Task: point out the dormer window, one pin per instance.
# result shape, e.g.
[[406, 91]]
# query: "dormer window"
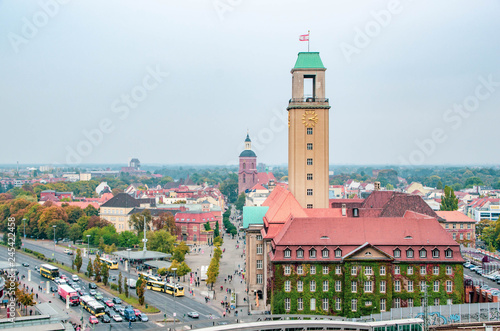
[[300, 253], [338, 252], [397, 252], [312, 253], [448, 253], [435, 253], [423, 253], [355, 212], [325, 253], [409, 253], [288, 253]]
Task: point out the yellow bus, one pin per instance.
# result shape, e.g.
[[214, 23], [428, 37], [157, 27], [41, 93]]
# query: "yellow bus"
[[48, 271], [147, 276], [92, 306], [113, 265], [176, 290]]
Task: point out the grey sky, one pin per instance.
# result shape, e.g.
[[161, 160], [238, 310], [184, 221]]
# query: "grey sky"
[[223, 67]]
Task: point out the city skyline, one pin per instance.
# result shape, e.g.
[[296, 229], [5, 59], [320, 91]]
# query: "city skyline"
[[181, 83]]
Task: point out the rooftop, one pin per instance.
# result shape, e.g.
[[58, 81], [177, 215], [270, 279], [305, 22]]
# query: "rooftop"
[[309, 60]]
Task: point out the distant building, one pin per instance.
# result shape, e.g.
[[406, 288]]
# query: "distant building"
[[102, 188], [247, 174], [117, 210], [461, 227], [85, 176], [484, 209]]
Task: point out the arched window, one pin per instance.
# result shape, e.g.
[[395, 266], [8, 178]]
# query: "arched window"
[[244, 165], [244, 178]]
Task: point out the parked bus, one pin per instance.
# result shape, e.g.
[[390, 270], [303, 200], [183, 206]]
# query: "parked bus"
[[113, 265], [92, 306], [48, 271], [176, 290], [149, 277]]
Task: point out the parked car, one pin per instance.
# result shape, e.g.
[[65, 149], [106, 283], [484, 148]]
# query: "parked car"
[[75, 278], [109, 303], [117, 308], [129, 315], [137, 312], [121, 311], [92, 286], [193, 314], [64, 277], [117, 300], [77, 288], [117, 318], [105, 319], [26, 264], [98, 296], [92, 292], [108, 311], [53, 289], [93, 320], [70, 282], [143, 317]]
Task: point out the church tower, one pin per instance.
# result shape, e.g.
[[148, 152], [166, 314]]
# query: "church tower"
[[247, 174], [308, 127]]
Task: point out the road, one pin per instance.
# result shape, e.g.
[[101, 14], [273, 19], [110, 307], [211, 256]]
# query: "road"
[[164, 302]]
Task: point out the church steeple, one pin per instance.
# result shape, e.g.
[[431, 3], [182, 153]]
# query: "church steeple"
[[248, 142], [247, 174]]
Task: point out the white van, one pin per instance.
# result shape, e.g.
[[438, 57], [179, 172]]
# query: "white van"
[[131, 282]]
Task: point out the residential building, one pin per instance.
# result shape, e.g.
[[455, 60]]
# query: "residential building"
[[117, 210], [461, 227], [484, 209]]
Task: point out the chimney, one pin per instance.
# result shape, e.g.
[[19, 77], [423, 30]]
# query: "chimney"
[[344, 210], [377, 186]]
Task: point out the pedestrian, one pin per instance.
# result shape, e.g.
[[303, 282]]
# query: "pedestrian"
[[130, 324]]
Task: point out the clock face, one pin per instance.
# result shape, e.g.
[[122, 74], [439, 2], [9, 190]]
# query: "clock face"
[[309, 118]]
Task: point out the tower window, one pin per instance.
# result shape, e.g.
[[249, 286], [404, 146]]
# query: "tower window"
[[309, 176], [309, 206], [244, 165], [309, 191], [309, 146], [309, 161], [309, 131], [244, 178]]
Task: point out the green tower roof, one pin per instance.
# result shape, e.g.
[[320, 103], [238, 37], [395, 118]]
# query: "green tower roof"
[[309, 60]]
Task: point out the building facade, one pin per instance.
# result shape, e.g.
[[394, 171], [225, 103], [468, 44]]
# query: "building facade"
[[308, 131], [247, 173], [461, 227]]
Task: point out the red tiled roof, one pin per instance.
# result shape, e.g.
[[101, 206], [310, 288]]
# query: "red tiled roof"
[[281, 205], [265, 177], [258, 187], [81, 204], [350, 233], [454, 216], [324, 212]]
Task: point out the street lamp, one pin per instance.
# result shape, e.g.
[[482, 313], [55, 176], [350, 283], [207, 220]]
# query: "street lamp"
[[88, 245], [24, 223], [175, 288], [54, 226]]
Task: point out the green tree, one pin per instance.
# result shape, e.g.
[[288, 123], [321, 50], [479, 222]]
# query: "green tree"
[[180, 252], [120, 282], [125, 287], [141, 290], [97, 268], [91, 211], [105, 273], [62, 228], [389, 187], [101, 245], [75, 233], [439, 185], [449, 201], [207, 226], [78, 260], [240, 202], [138, 284], [183, 270], [136, 221], [18, 243], [160, 241], [218, 241], [216, 231], [90, 270]]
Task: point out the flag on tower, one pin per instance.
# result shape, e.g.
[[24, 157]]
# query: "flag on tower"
[[304, 37]]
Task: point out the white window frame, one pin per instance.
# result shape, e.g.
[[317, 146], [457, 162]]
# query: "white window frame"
[[338, 286], [368, 286], [300, 286], [312, 286], [397, 286], [382, 270], [326, 270], [288, 286], [354, 286], [287, 304], [300, 304], [383, 286], [326, 286], [312, 306]]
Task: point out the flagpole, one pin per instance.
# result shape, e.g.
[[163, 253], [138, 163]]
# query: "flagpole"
[[308, 39]]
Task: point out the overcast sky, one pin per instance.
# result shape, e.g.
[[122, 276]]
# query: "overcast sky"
[[100, 81]]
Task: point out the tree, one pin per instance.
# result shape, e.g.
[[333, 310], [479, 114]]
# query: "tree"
[[91, 211], [449, 201], [18, 242], [183, 270], [105, 273], [216, 231], [125, 287], [120, 282], [127, 239], [136, 221], [101, 245], [97, 268], [78, 260], [61, 229], [218, 241], [389, 187], [240, 202], [439, 185], [90, 270], [180, 252], [138, 284], [75, 233], [74, 213], [141, 289], [207, 226], [165, 221], [160, 241]]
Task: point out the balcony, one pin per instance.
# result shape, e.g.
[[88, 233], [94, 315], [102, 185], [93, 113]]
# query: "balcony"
[[308, 99]]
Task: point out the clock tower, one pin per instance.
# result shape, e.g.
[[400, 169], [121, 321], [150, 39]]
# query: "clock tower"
[[308, 156]]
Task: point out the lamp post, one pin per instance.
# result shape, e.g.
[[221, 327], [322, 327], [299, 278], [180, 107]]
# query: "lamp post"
[[24, 223], [54, 226], [175, 288], [88, 245]]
